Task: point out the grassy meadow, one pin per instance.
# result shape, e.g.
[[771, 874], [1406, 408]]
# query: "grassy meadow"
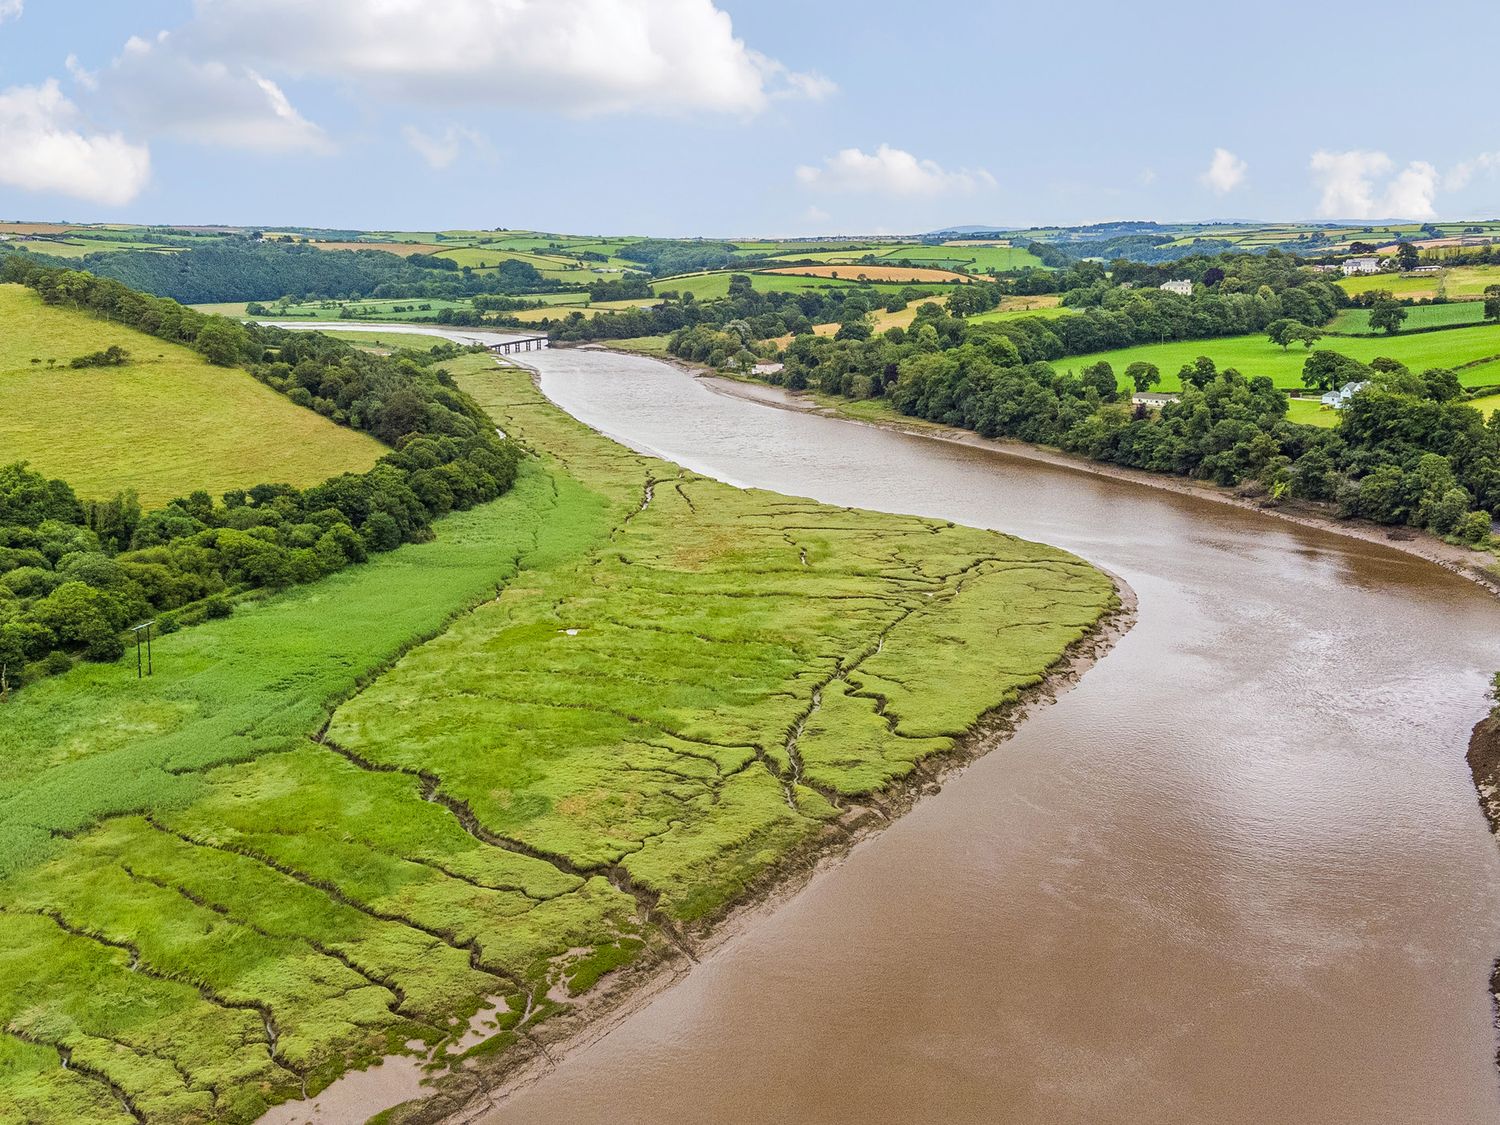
[[166, 423], [706, 286], [295, 848], [1452, 314], [1458, 283], [1255, 355]]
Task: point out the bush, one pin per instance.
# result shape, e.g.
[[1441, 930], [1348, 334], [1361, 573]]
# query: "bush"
[[1474, 528], [217, 606]]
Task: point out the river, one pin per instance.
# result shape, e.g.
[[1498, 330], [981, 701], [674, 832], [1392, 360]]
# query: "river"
[[1238, 874]]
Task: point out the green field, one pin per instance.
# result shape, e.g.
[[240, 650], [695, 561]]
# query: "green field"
[[1458, 282], [1311, 412], [213, 902], [1003, 313], [707, 286], [1256, 355], [1486, 405], [1454, 313], [165, 424], [389, 340]]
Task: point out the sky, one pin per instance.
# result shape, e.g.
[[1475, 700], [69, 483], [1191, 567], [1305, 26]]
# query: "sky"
[[733, 118]]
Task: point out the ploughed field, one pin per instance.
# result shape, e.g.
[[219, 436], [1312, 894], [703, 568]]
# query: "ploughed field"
[[166, 423], [477, 773]]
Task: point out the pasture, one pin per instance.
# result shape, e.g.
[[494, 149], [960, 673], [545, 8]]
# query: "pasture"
[[164, 424], [212, 903], [1454, 313], [1256, 355], [1458, 282], [860, 272], [706, 286]]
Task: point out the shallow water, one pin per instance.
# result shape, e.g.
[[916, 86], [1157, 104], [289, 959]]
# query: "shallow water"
[[1238, 874]]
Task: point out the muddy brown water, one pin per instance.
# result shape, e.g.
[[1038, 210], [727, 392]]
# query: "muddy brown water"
[[1238, 874]]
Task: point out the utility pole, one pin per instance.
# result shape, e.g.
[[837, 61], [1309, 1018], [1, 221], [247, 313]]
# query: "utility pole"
[[144, 627]]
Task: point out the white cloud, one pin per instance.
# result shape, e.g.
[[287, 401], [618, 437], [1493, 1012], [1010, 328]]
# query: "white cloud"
[[815, 214], [1348, 181], [46, 149], [1461, 175], [86, 79], [10, 10], [674, 57], [441, 149], [162, 89], [1411, 193], [1226, 171], [890, 171]]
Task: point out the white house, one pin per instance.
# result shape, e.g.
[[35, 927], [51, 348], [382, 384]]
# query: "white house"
[[1183, 287], [1339, 399], [1353, 266]]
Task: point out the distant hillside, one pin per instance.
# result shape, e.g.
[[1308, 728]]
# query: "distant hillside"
[[165, 423]]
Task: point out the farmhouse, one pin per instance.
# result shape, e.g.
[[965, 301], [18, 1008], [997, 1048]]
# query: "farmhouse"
[[1339, 399], [1353, 266], [1182, 286]]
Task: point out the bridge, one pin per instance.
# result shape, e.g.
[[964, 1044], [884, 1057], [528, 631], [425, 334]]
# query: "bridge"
[[522, 344]]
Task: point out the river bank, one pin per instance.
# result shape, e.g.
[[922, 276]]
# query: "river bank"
[[1476, 566], [484, 1083], [919, 595]]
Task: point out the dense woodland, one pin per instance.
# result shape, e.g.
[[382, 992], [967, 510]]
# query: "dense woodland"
[[74, 574], [245, 269]]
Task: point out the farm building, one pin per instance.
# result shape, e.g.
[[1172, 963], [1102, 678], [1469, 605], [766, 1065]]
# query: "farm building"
[[1423, 270], [768, 368], [1339, 398], [1182, 286], [1354, 266]]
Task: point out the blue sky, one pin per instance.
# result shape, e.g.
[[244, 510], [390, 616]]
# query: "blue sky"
[[739, 117]]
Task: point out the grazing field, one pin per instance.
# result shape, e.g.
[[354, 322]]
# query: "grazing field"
[[874, 273], [971, 256], [1458, 282], [78, 247], [213, 902], [1256, 355], [1012, 307], [1311, 412], [404, 249], [706, 286], [1357, 321], [164, 424], [388, 341], [1486, 405]]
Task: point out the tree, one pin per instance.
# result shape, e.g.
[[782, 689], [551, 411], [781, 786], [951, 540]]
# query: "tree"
[[1321, 370], [1387, 316], [1282, 332], [221, 341], [1492, 302], [1287, 332], [1199, 373], [1101, 377], [1144, 375], [1407, 256]]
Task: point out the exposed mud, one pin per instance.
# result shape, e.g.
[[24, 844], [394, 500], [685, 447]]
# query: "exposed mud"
[[1484, 764]]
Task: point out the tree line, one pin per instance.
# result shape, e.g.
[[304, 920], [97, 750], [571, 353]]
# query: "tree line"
[[1407, 449], [244, 269]]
